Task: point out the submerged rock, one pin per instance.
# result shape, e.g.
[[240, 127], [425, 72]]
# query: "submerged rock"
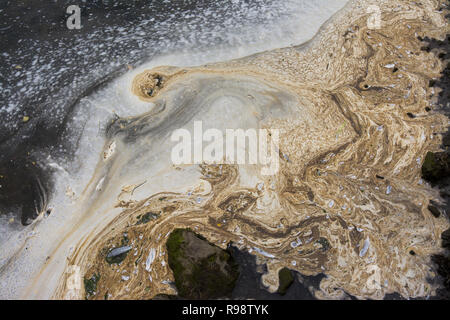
[[201, 270], [286, 279], [435, 167]]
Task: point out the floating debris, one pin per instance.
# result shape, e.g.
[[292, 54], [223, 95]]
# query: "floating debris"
[[264, 253], [117, 255], [295, 244], [150, 259], [109, 151], [388, 189], [365, 247]]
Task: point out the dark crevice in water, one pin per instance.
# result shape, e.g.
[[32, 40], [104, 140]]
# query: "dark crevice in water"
[[249, 284]]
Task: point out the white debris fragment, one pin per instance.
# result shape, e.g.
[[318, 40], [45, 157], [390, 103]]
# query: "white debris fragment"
[[388, 189], [100, 184], [264, 253], [295, 244], [150, 259], [364, 248]]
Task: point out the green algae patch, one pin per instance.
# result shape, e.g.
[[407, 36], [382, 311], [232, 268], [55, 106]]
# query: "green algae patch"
[[175, 254], [286, 278], [201, 269], [90, 285]]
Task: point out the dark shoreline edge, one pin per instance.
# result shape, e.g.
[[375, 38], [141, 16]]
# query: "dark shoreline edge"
[[436, 167]]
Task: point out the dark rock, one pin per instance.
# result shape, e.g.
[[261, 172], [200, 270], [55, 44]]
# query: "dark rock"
[[286, 279], [435, 167], [201, 269]]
